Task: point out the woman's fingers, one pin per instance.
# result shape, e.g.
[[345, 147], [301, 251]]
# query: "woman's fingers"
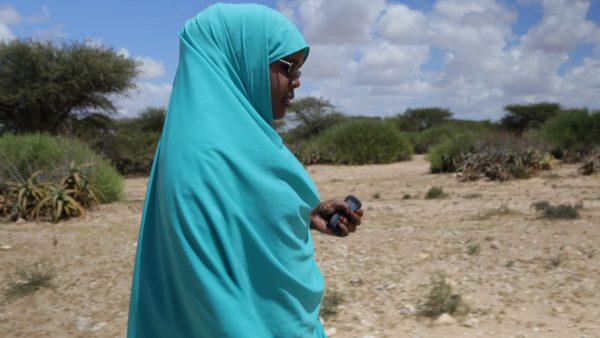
[[350, 226]]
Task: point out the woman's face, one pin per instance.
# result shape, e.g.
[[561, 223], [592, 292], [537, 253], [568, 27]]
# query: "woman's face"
[[283, 84]]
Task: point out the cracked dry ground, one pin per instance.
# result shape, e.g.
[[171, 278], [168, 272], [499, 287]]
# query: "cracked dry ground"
[[531, 277]]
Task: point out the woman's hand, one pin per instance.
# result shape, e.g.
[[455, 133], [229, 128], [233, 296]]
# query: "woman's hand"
[[321, 214]]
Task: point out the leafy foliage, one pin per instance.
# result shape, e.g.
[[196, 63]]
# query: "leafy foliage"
[[32, 199], [419, 119], [440, 299], [522, 117], [129, 143], [329, 306], [54, 158], [434, 193], [44, 85], [501, 164], [560, 211], [309, 116], [573, 132], [429, 137], [446, 156], [493, 156], [358, 142], [28, 279], [591, 164]]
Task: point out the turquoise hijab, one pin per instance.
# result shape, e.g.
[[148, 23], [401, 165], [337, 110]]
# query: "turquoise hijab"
[[225, 248]]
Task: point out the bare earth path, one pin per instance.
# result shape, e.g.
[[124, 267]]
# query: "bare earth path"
[[531, 278]]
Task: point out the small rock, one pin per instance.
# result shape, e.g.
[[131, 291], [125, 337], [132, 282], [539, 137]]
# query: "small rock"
[[356, 281], [83, 324], [5, 247], [445, 319], [21, 221], [330, 331], [98, 326], [424, 255], [471, 322], [494, 245], [409, 308]]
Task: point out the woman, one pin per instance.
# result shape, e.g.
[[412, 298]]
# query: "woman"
[[225, 247]]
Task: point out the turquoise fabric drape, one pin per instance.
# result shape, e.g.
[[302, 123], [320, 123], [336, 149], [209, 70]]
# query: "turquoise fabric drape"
[[225, 248]]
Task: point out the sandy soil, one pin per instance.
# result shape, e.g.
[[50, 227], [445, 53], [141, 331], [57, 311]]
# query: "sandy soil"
[[531, 278]]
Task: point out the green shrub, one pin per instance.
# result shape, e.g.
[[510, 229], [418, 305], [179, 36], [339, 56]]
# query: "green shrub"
[[329, 306], [435, 192], [560, 211], [441, 300], [591, 164], [28, 279], [473, 249], [573, 132], [357, 142], [498, 163], [24, 155], [445, 156]]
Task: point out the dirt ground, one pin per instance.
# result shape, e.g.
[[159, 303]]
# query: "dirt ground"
[[531, 277]]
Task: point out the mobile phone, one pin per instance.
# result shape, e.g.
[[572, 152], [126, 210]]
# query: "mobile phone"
[[354, 204]]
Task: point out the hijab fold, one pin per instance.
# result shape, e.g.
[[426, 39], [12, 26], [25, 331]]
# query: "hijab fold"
[[225, 248]]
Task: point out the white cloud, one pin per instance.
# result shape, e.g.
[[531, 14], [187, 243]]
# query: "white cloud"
[[150, 68], [348, 21], [383, 61], [5, 33], [145, 95], [388, 64], [123, 52], [563, 26], [327, 61], [9, 16], [400, 24]]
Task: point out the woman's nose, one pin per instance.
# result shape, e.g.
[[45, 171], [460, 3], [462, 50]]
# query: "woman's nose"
[[296, 83]]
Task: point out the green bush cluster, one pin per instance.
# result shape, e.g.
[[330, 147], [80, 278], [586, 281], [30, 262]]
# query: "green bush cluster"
[[441, 300], [366, 141], [129, 143], [573, 133], [445, 156], [560, 211], [500, 164], [53, 157], [430, 137], [496, 156]]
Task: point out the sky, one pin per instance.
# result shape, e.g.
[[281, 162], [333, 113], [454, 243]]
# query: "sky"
[[375, 58]]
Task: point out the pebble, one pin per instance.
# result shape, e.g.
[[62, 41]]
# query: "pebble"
[[494, 245], [330, 331], [356, 281], [445, 319], [83, 324], [98, 326], [5, 247], [471, 322]]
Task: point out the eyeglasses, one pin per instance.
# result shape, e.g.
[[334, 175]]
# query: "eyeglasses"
[[293, 69]]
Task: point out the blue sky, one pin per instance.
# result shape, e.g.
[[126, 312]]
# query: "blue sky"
[[471, 56]]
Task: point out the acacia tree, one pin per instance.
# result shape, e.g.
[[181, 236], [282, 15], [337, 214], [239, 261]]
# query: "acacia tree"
[[522, 117], [419, 119], [44, 85], [310, 116]]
